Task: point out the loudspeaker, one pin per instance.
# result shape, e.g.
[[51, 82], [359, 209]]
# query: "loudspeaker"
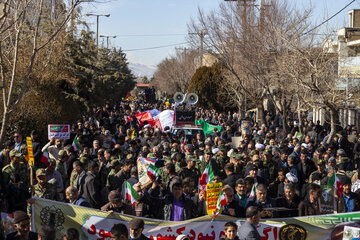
[[191, 98], [179, 97]]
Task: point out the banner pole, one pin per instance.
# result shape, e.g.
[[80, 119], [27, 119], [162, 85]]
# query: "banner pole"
[[31, 181]]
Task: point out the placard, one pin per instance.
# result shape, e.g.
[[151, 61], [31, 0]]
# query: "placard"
[[327, 199], [30, 151], [212, 194], [245, 127], [59, 131], [235, 141], [142, 165], [351, 233]]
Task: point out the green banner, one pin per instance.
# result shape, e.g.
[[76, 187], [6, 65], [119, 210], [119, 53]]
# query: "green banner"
[[208, 128]]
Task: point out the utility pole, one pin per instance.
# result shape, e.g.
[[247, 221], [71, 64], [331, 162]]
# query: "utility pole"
[[202, 35], [97, 24], [201, 50], [107, 39], [183, 55]]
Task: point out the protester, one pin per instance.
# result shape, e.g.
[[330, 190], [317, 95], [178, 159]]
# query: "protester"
[[136, 227], [19, 144], [36, 146], [233, 206], [230, 230], [71, 234], [348, 201], [262, 201], [46, 233], [22, 223], [91, 189], [241, 192], [16, 166], [173, 206], [248, 229], [72, 194], [310, 206], [53, 147], [119, 232], [231, 176], [116, 204], [45, 188], [17, 194], [290, 201]]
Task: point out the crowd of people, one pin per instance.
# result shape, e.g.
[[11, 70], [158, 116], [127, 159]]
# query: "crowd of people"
[[286, 168]]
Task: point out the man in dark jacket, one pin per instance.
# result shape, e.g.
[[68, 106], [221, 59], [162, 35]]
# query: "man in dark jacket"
[[71, 158], [72, 194], [16, 194], [91, 189], [136, 227], [310, 206], [22, 221], [116, 204], [36, 146], [348, 201], [173, 206], [306, 167], [231, 177], [233, 206], [290, 201], [248, 230], [262, 201]]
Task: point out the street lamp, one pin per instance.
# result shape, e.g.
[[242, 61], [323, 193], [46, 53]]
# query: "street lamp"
[[97, 24], [107, 39]]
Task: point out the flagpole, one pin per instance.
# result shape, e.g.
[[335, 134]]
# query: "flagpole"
[[31, 181]]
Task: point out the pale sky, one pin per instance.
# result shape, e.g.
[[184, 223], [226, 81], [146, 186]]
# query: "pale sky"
[[167, 20]]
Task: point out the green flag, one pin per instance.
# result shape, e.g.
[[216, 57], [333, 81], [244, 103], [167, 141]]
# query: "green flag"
[[208, 128]]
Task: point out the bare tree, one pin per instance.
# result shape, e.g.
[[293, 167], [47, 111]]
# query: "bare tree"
[[26, 28], [249, 45], [174, 73], [314, 71]]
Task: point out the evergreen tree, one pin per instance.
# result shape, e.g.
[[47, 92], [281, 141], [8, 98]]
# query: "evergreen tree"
[[114, 79], [208, 83], [80, 66]]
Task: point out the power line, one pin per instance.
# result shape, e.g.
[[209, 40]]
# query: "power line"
[[329, 18], [149, 48], [152, 35]]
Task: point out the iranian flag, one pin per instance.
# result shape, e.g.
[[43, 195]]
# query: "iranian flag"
[[153, 172], [253, 191], [220, 203], [76, 144], [131, 194], [206, 177], [45, 158], [163, 119], [335, 182], [148, 160], [184, 143]]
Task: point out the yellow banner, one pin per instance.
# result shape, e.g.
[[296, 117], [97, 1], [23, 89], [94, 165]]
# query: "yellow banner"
[[212, 194], [30, 151]]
